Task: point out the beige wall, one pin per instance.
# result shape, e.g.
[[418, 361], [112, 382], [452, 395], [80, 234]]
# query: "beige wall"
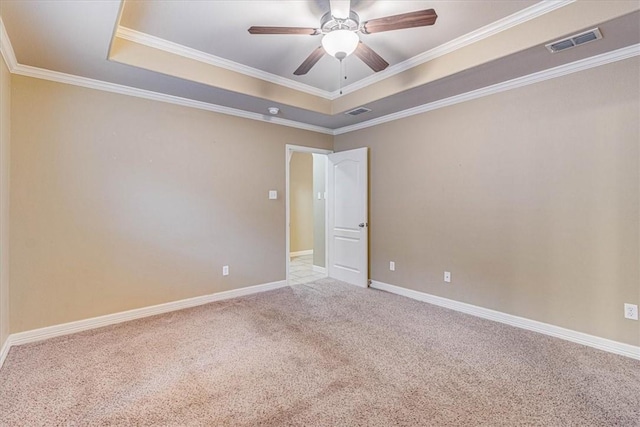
[[319, 209], [5, 135], [120, 202], [301, 199], [529, 197]]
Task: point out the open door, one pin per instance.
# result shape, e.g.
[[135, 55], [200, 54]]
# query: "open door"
[[348, 216]]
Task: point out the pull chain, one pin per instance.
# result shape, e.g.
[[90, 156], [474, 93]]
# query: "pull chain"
[[345, 70], [340, 56], [342, 73], [340, 77]]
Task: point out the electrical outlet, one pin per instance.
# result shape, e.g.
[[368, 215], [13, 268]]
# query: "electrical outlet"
[[392, 266], [631, 311], [225, 270], [447, 276]]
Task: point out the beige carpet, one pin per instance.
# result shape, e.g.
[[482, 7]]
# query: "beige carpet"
[[323, 354]]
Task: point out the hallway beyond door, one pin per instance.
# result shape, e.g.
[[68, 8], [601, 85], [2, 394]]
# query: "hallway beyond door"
[[301, 270]]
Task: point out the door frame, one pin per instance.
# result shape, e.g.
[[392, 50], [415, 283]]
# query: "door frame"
[[289, 150]]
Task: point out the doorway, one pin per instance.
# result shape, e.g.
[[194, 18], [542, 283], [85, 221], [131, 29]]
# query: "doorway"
[[306, 211], [340, 196]]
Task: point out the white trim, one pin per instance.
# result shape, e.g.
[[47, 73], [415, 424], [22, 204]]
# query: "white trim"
[[187, 52], [519, 322], [6, 49], [40, 73], [301, 253], [4, 351], [9, 58], [125, 316], [318, 269], [562, 70], [59, 77], [540, 76], [496, 27]]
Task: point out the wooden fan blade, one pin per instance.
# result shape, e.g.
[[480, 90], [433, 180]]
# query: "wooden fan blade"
[[311, 60], [370, 57], [285, 30], [420, 18]]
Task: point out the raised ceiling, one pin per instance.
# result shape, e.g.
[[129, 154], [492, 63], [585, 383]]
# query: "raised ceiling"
[[201, 51], [220, 29]]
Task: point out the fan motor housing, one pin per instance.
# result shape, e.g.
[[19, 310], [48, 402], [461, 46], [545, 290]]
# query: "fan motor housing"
[[328, 23]]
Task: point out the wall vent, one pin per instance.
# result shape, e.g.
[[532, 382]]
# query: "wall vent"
[[358, 110], [575, 40]]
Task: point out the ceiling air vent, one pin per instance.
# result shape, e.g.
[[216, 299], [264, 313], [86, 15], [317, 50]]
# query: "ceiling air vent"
[[358, 110], [575, 40]]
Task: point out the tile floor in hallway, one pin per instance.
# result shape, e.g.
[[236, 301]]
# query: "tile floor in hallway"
[[301, 270]]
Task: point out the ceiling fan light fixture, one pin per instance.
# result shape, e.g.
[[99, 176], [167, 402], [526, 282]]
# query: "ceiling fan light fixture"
[[341, 26], [340, 41]]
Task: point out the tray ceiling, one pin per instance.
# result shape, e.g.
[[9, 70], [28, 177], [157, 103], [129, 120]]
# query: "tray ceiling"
[[220, 28], [474, 44]]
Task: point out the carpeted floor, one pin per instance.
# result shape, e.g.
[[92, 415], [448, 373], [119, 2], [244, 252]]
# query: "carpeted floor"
[[322, 354]]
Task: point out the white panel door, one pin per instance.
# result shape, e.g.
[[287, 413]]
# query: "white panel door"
[[348, 216]]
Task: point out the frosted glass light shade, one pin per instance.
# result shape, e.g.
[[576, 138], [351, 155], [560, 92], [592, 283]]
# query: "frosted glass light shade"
[[340, 41]]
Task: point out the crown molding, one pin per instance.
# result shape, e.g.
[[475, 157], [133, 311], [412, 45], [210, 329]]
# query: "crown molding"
[[496, 27], [551, 73], [39, 73], [618, 55], [187, 52], [6, 49], [562, 70]]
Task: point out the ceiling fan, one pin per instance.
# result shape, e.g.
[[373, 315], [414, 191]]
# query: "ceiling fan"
[[339, 28]]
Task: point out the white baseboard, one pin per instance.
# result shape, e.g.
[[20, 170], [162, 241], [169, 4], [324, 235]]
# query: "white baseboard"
[[519, 322], [138, 313], [4, 351], [319, 269], [300, 253]]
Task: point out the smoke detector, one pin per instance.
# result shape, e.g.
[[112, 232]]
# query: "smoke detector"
[[273, 110], [575, 40]]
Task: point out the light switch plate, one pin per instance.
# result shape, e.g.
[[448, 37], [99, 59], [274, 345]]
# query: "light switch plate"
[[273, 194], [447, 276]]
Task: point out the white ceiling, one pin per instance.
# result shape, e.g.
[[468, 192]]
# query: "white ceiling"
[[74, 37], [220, 28]]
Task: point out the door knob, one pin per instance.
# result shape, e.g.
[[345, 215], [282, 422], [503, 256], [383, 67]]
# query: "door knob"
[[362, 225]]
